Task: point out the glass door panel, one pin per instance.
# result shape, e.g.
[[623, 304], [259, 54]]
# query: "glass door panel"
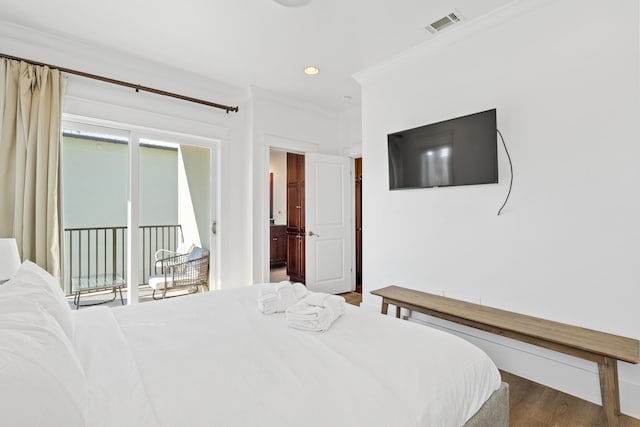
[[95, 182], [175, 215]]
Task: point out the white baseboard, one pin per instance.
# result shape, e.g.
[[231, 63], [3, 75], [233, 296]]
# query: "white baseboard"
[[569, 374]]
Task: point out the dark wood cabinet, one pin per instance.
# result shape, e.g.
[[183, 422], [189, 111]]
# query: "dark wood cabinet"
[[295, 193], [278, 248], [295, 217], [295, 257]]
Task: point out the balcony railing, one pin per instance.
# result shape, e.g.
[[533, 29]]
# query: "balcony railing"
[[97, 256]]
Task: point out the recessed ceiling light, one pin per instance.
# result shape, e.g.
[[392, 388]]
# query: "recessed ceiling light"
[[311, 70], [293, 3]]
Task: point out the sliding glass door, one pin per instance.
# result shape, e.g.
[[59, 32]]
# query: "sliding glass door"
[[95, 180], [175, 208], [128, 195]]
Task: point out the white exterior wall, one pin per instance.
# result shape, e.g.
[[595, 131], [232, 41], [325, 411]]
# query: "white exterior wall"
[[95, 180], [194, 194], [563, 76]]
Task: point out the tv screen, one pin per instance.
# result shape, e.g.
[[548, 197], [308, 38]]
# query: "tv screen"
[[460, 151]]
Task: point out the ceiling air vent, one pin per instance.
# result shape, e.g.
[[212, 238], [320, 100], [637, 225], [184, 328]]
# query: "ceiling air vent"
[[444, 22]]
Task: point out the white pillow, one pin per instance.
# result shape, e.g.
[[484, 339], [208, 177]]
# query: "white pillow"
[[185, 248], [34, 283], [43, 383]]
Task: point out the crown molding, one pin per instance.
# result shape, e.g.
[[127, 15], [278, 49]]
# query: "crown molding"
[[55, 49]]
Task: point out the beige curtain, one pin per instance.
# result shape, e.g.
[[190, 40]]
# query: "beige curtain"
[[30, 121]]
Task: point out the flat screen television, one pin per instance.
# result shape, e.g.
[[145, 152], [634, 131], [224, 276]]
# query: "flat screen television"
[[460, 151]]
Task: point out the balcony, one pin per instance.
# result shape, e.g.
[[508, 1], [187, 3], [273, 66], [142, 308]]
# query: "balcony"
[[96, 259]]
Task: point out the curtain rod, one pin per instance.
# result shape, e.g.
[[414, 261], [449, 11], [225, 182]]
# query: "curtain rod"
[[137, 87]]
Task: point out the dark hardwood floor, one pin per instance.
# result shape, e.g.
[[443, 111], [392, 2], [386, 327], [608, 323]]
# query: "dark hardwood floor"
[[353, 298], [534, 405]]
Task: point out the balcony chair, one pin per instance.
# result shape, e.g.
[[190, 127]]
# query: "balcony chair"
[[180, 271]]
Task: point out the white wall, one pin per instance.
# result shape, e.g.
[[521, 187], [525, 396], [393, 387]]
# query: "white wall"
[[194, 194], [278, 167], [563, 76], [351, 131], [291, 126]]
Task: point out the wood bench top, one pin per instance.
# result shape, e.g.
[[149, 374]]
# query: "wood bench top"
[[499, 321]]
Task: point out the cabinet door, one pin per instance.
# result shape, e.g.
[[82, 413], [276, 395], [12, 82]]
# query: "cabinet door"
[[293, 209], [293, 260], [278, 245], [295, 193], [281, 249], [295, 257], [273, 248]]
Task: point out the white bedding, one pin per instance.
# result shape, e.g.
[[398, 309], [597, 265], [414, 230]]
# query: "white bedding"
[[213, 359]]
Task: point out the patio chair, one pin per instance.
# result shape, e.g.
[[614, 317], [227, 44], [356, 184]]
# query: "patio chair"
[[180, 271]]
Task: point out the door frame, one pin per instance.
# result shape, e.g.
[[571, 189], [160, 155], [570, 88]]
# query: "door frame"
[[137, 132], [280, 143]]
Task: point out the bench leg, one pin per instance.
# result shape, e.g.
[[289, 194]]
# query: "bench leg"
[[385, 307], [608, 371], [398, 311], [120, 290]]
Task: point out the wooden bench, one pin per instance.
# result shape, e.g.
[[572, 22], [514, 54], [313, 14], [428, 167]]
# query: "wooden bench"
[[599, 347]]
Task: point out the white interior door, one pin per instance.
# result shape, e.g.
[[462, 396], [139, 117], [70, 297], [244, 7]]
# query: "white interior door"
[[328, 217]]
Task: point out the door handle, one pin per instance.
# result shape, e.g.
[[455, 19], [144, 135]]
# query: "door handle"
[[311, 233], [214, 227]]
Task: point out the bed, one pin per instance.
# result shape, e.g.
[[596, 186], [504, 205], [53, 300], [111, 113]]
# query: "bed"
[[213, 359]]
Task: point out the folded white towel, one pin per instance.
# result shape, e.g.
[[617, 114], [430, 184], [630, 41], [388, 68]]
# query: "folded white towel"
[[268, 304], [278, 297], [316, 312]]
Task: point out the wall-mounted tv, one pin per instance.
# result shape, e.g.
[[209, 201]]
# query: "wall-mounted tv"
[[460, 151]]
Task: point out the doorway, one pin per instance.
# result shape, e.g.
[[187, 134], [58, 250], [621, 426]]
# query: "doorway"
[[314, 209]]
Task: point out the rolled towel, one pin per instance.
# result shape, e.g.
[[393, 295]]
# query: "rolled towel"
[[315, 312], [278, 297], [268, 304], [286, 297]]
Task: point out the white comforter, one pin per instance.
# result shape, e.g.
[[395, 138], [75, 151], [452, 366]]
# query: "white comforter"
[[213, 359]]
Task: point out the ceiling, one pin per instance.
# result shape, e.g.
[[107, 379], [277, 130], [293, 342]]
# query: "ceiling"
[[252, 42]]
